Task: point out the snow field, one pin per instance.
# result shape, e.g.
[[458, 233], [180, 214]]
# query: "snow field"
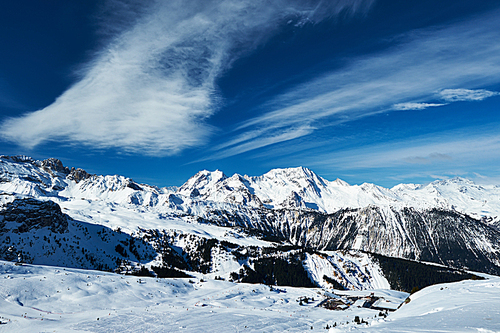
[[43, 298], [466, 306]]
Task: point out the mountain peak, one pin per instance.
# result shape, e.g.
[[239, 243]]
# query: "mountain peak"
[[455, 180], [297, 172], [203, 179], [340, 182], [211, 175]]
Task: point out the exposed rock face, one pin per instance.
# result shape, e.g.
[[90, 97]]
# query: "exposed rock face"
[[133, 185], [434, 235], [18, 158], [26, 176], [27, 214], [293, 201], [53, 164], [78, 175]]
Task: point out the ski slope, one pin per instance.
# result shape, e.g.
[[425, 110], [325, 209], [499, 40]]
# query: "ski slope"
[[44, 298], [51, 299]]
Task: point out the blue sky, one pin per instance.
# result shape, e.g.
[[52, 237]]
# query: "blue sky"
[[363, 90]]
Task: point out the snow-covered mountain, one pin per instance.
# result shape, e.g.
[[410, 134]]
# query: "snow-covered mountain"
[[296, 188], [302, 188], [288, 227], [449, 222]]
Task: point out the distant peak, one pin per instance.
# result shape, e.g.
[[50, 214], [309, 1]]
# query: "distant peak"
[[202, 179], [297, 171], [217, 174], [454, 180], [340, 182], [368, 186], [409, 186]]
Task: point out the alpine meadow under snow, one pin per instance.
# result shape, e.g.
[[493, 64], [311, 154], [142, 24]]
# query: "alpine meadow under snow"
[[285, 251]]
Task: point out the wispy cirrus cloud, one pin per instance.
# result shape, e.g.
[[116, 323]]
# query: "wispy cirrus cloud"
[[428, 158], [441, 59], [459, 95], [453, 149], [254, 140], [449, 95], [415, 106], [152, 88]]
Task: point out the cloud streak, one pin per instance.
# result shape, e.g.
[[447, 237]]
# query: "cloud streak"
[[254, 140], [414, 106], [428, 159], [152, 88], [460, 95], [443, 59], [477, 145]]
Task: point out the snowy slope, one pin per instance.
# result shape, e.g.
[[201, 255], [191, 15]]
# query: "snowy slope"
[[354, 270], [38, 232], [468, 306], [38, 298]]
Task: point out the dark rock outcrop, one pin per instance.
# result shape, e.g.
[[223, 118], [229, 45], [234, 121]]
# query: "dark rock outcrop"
[[28, 214], [78, 175]]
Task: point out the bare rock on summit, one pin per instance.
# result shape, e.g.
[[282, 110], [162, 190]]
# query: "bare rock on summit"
[[53, 164], [78, 175]]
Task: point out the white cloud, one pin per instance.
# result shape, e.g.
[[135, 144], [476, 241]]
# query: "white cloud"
[[414, 106], [152, 88], [251, 141], [466, 54], [476, 146], [458, 95]]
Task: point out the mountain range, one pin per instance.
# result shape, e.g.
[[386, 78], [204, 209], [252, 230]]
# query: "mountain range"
[[51, 213]]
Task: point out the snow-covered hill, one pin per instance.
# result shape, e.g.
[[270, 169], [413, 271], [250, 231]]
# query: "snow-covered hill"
[[40, 298], [38, 232]]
